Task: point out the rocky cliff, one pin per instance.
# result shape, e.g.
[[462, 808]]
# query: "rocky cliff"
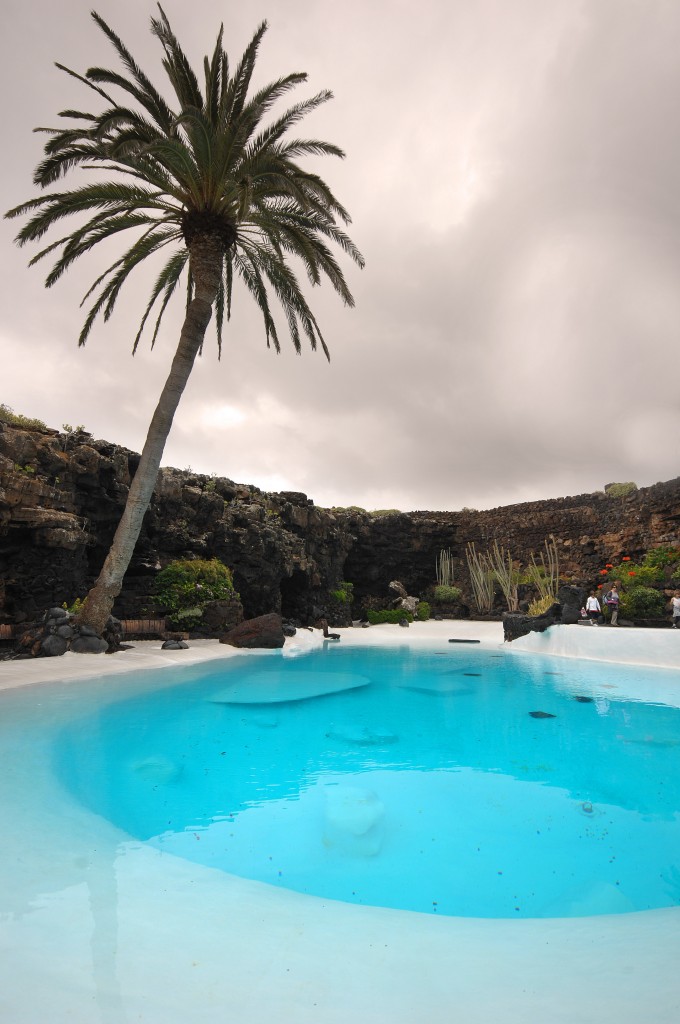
[[61, 495]]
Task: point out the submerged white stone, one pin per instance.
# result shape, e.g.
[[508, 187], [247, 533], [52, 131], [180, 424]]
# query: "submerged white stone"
[[286, 685], [353, 820], [356, 735], [157, 769]]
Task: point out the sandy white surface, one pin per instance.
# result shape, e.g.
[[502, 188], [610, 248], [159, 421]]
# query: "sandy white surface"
[[96, 928]]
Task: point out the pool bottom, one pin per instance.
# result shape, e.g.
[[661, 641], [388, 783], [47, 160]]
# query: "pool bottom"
[[432, 789]]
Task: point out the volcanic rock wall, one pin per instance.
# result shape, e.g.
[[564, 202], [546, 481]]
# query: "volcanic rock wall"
[[61, 495]]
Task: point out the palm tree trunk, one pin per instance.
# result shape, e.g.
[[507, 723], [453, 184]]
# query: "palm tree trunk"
[[206, 264]]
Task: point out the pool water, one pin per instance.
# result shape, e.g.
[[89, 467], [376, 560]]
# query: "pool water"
[[456, 782]]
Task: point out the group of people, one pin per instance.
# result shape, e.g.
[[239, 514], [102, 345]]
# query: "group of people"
[[611, 601], [593, 608]]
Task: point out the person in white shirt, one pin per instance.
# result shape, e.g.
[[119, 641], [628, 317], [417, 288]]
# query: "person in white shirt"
[[675, 609], [593, 610]]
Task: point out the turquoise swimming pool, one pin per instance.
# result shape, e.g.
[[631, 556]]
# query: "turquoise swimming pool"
[[99, 925], [455, 782]]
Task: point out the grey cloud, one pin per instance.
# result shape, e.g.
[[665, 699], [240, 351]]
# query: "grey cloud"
[[512, 174]]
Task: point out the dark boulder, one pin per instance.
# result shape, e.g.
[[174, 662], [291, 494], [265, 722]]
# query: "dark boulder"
[[264, 631], [571, 600], [53, 646], [86, 644], [55, 613]]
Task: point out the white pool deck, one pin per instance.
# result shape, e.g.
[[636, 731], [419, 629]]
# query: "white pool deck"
[[95, 928]]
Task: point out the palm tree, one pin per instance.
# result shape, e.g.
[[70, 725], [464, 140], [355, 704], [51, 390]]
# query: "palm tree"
[[218, 184]]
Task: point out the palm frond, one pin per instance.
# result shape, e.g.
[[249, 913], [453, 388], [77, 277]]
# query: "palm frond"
[[177, 66], [240, 83], [213, 162], [147, 95], [166, 282], [84, 80]]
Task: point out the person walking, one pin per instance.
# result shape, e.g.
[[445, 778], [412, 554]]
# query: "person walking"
[[675, 609], [593, 609], [612, 600]]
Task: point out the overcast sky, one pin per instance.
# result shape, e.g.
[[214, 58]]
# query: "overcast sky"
[[513, 176]]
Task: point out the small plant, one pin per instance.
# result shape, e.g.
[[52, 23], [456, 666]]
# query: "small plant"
[[15, 419], [28, 468], [344, 594], [381, 512], [390, 615], [423, 610], [446, 595], [74, 608], [68, 429], [185, 587], [541, 605]]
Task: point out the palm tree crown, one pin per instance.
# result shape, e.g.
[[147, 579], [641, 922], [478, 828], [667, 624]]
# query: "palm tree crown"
[[205, 169], [211, 181]]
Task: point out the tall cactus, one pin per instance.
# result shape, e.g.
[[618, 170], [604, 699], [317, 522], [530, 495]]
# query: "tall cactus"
[[506, 574], [444, 567], [482, 579], [546, 575]]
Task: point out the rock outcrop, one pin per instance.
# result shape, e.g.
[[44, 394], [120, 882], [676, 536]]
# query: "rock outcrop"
[[62, 494]]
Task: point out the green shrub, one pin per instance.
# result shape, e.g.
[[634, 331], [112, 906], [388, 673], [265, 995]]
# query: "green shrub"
[[15, 419], [391, 615], [642, 603], [446, 595], [347, 508], [185, 587], [423, 610], [620, 490], [633, 575], [380, 512], [661, 557]]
